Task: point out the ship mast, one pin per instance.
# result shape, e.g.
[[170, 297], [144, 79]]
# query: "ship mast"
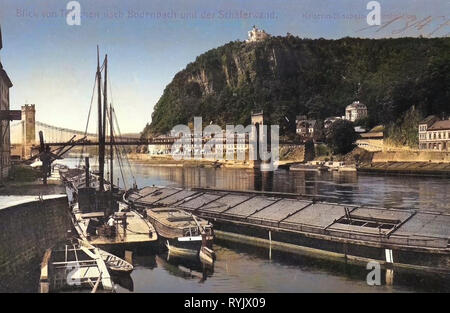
[[101, 147], [103, 143], [111, 150]]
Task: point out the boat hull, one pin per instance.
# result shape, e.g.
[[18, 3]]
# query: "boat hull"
[[184, 246], [177, 239], [351, 252]]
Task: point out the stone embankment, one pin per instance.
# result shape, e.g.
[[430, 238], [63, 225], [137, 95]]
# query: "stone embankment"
[[29, 226], [434, 163]]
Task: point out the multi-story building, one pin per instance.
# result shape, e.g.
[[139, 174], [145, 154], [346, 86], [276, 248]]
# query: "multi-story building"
[[355, 111], [5, 145], [434, 134], [305, 128]]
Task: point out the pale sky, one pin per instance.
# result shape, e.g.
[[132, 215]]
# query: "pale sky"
[[52, 64]]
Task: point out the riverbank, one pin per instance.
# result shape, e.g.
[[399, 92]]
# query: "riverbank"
[[24, 180], [399, 163], [168, 161], [407, 168], [423, 163]]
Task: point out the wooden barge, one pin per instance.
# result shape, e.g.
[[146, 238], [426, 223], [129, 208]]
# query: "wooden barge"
[[115, 225], [406, 238], [181, 232]]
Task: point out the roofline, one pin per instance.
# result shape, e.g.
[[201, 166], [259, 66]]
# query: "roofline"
[[427, 119], [439, 128], [6, 77]]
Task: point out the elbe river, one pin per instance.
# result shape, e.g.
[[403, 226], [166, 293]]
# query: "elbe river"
[[245, 268]]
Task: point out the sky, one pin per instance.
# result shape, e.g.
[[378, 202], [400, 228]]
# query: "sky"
[[52, 64]]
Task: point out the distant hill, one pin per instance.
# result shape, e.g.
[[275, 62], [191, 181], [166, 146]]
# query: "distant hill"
[[287, 76], [132, 135]]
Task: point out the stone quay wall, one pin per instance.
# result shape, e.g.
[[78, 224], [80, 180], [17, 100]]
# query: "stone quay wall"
[[26, 231]]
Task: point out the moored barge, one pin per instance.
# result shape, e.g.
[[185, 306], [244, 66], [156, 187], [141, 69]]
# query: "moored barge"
[[406, 238], [181, 232]]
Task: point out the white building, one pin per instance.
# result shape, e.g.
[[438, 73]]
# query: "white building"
[[257, 35], [355, 111], [161, 149], [434, 134]]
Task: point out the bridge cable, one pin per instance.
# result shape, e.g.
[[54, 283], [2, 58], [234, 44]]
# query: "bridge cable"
[[126, 155], [116, 124], [88, 118]]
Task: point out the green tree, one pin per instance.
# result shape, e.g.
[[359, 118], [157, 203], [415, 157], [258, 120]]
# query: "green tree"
[[405, 131], [289, 76], [341, 137]]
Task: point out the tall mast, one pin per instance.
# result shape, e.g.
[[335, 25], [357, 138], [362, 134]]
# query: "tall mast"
[[101, 147], [111, 150]]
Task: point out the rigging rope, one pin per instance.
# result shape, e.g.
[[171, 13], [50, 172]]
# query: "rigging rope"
[[120, 154], [126, 156], [88, 118]]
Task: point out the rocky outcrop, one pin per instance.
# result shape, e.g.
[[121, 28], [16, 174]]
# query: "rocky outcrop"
[[288, 76]]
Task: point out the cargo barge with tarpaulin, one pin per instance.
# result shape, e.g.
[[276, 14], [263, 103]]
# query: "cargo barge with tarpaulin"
[[396, 238]]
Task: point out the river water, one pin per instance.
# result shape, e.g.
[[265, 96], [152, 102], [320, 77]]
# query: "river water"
[[245, 268]]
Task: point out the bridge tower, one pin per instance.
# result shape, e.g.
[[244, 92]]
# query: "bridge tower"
[[29, 129], [257, 120], [262, 180]]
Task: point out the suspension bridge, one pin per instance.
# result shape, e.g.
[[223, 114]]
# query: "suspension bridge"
[[25, 137]]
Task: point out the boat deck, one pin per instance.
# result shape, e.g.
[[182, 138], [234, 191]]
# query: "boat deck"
[[138, 230], [174, 218], [383, 227]]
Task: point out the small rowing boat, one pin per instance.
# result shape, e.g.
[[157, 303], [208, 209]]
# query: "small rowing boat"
[[114, 264], [74, 265]]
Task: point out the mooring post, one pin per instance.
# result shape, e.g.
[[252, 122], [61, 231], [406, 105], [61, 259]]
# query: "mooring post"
[[270, 245], [389, 277], [86, 163]]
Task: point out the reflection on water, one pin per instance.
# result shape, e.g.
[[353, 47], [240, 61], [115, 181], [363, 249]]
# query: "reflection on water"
[[246, 268], [185, 267], [430, 193]]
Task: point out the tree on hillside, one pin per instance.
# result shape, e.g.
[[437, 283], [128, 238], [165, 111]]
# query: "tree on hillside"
[[287, 76], [341, 136], [404, 132]]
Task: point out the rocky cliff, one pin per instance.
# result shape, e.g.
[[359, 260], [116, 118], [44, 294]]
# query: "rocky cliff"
[[287, 76]]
